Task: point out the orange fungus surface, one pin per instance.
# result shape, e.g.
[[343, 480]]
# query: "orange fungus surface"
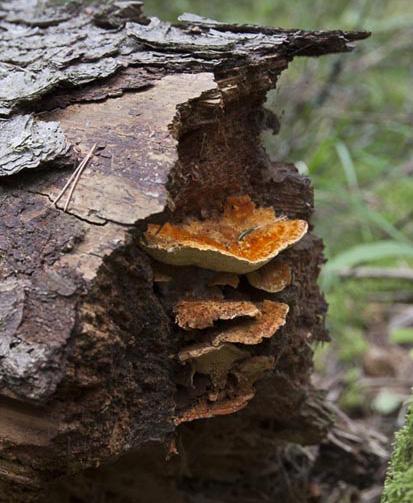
[[243, 231]]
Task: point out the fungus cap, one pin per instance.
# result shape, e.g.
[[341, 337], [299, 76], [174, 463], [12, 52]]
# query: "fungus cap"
[[205, 409], [249, 332], [199, 314], [241, 240], [273, 317], [272, 278], [247, 372], [217, 364]]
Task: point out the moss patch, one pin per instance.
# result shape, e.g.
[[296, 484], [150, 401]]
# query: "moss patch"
[[399, 484]]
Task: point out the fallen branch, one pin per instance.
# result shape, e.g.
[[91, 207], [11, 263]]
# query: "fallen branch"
[[392, 297], [404, 273]]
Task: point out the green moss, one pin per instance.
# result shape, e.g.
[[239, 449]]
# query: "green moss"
[[399, 484]]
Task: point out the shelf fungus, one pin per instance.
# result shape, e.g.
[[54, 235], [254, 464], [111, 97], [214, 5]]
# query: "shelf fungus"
[[236, 396], [272, 317], [205, 409], [199, 314], [222, 353], [272, 278], [217, 364], [242, 239]]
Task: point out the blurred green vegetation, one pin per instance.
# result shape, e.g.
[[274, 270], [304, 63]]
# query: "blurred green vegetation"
[[346, 122]]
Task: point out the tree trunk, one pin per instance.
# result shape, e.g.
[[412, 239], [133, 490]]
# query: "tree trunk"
[[96, 358]]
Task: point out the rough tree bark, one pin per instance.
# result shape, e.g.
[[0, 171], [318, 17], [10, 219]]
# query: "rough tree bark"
[[93, 362]]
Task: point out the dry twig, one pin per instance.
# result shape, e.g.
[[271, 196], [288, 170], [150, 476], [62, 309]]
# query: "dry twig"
[[404, 273]]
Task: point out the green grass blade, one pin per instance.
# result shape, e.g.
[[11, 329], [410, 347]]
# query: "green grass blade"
[[348, 165]]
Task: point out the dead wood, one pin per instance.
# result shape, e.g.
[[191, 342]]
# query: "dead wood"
[[89, 349]]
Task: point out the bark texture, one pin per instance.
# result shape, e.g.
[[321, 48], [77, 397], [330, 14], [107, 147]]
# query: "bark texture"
[[89, 347]]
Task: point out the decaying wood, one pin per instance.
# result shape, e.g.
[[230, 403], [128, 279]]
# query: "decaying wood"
[[90, 365]]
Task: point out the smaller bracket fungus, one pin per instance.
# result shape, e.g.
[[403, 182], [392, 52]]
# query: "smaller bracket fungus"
[[249, 332], [205, 409], [234, 398], [217, 364], [272, 278], [251, 370], [196, 351], [199, 314], [242, 239]]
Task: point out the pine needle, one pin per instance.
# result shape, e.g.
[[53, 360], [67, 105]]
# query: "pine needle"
[[72, 176], [78, 174]]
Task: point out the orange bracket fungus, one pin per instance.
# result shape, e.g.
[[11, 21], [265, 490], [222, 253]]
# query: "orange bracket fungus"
[[215, 328], [202, 313], [249, 332], [218, 363], [218, 354], [242, 239], [271, 278], [246, 373], [205, 409]]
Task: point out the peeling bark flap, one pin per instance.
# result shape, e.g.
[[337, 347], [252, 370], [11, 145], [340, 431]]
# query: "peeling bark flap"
[[128, 181], [41, 49], [27, 143], [44, 47], [36, 57]]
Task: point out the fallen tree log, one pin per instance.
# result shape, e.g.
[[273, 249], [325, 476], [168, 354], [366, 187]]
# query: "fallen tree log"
[[170, 305]]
